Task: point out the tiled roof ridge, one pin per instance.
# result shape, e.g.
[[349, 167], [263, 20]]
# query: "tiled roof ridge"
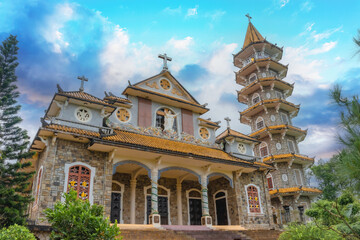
[[77, 94], [229, 131]]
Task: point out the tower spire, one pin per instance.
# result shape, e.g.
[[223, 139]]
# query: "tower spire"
[[252, 34]]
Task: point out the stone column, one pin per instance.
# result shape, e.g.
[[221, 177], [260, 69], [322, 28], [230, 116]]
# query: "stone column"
[[132, 200], [206, 218], [179, 205], [154, 216]]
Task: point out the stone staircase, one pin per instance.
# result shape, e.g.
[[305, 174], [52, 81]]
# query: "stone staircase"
[[176, 232]]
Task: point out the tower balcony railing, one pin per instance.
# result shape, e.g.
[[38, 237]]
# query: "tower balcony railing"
[[255, 56]]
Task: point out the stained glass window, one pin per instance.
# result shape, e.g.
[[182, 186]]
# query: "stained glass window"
[[79, 180], [253, 199]]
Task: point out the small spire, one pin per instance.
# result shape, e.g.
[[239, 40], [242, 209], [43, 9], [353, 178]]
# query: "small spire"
[[227, 119], [165, 59], [252, 34], [82, 79]]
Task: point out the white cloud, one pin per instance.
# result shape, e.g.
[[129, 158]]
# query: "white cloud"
[[172, 11], [324, 48], [309, 26], [283, 3], [51, 29], [182, 44], [122, 60], [307, 6], [192, 11], [324, 35]]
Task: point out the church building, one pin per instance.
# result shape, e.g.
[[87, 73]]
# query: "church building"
[[150, 157]]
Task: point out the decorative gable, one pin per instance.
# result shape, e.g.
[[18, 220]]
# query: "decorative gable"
[[164, 83]]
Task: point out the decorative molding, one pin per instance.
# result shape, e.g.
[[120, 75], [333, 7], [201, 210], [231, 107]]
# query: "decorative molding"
[[152, 85], [176, 92]]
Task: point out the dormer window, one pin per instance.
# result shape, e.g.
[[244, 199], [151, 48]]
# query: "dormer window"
[[166, 119], [252, 77], [83, 114], [259, 123], [255, 98]]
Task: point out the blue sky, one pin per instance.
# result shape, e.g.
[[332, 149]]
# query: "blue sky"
[[114, 41]]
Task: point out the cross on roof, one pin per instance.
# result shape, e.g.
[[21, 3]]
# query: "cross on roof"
[[248, 16], [227, 119], [82, 79], [165, 59]]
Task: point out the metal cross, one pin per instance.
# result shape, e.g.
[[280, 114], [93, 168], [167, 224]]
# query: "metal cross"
[[248, 16], [227, 119], [165, 59], [82, 79]]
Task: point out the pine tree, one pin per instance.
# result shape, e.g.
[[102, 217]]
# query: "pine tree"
[[14, 181]]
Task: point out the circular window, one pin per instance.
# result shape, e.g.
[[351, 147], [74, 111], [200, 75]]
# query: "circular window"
[[123, 115], [204, 133], [165, 84], [241, 148], [272, 118], [263, 75], [83, 114], [278, 146], [268, 95], [284, 177]]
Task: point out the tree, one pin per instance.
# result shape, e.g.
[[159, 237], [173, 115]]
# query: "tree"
[[349, 157], [77, 219], [341, 216], [357, 41], [328, 178], [16, 232], [14, 182], [298, 231]]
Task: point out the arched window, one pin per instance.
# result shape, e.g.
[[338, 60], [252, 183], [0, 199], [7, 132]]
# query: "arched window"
[[264, 151], [253, 199], [38, 185], [166, 119], [79, 180], [270, 181], [259, 123], [255, 98], [252, 77]]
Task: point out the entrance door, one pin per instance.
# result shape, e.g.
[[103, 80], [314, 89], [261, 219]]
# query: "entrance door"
[[221, 212], [195, 211], [115, 207], [162, 208]]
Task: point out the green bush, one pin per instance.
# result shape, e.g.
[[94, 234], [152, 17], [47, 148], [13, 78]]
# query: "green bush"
[[16, 232], [308, 232], [78, 219]]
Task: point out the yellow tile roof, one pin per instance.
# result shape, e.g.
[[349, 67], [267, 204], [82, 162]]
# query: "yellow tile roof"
[[252, 35], [209, 122], [295, 190], [230, 132], [84, 96], [277, 127], [290, 155], [117, 99], [122, 136], [267, 102]]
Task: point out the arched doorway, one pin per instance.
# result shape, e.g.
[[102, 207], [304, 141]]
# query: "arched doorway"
[[194, 207], [116, 202], [221, 208], [163, 204]]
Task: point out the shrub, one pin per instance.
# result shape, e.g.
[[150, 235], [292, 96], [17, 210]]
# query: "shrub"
[[16, 232], [309, 231], [78, 219]]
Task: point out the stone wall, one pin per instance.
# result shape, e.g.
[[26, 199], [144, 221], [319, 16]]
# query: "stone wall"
[[53, 161]]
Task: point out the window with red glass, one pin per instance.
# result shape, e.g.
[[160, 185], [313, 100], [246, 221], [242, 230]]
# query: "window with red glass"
[[79, 180], [253, 199], [270, 182]]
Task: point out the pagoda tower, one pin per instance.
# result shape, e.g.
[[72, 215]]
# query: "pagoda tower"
[[270, 115]]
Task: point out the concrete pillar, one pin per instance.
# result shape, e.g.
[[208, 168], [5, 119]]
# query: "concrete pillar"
[[132, 200], [206, 218], [154, 216], [179, 205]]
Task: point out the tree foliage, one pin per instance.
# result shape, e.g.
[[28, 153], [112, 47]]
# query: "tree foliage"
[[16, 232], [341, 216], [77, 219], [298, 231], [14, 192]]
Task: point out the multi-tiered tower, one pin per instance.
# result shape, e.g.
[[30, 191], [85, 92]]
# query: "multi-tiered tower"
[[270, 115]]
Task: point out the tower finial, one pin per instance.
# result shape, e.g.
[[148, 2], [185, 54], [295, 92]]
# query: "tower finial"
[[82, 79], [248, 16], [165, 59]]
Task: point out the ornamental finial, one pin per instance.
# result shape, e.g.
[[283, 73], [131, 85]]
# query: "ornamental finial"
[[248, 16]]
